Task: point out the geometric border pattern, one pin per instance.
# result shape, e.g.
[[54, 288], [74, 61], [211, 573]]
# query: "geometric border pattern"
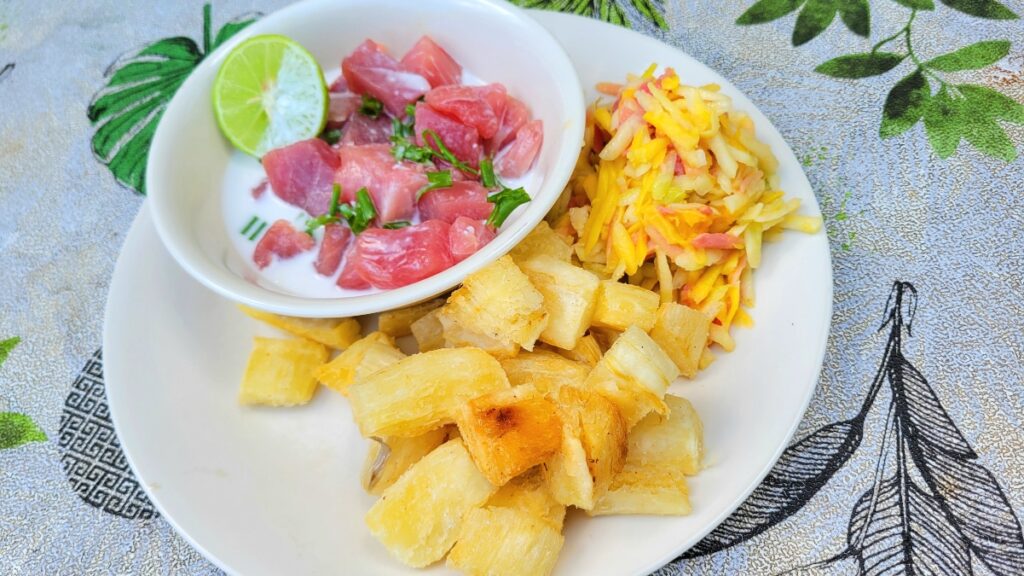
[[91, 454]]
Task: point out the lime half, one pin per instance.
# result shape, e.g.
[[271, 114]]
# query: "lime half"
[[269, 92]]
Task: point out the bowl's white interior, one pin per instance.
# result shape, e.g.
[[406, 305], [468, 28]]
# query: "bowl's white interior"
[[493, 40]]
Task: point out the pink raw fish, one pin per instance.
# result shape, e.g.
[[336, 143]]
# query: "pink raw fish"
[[396, 258], [349, 277], [361, 129], [516, 158], [281, 240], [371, 70], [431, 61], [467, 105], [463, 198], [391, 184], [332, 248], [342, 106], [515, 115], [462, 140], [302, 174], [466, 236]]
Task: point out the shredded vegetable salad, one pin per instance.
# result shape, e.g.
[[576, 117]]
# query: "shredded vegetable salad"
[[674, 191]]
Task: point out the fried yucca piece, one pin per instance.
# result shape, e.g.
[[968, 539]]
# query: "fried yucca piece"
[[542, 240], [423, 391], [509, 431], [428, 331], [458, 336], [398, 323], [682, 333], [418, 518], [528, 492], [587, 351], [566, 473], [499, 302], [604, 337], [570, 297], [620, 306], [338, 333], [602, 435], [544, 370], [662, 452], [497, 541], [634, 374], [364, 357], [644, 489], [280, 372], [389, 458], [676, 441]]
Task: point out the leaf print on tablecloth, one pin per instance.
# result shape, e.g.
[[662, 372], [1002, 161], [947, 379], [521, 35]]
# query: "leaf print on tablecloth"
[[139, 87], [952, 112], [613, 11], [931, 507], [16, 429]]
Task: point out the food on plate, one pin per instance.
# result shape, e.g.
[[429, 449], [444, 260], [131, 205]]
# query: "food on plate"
[[399, 171], [364, 357], [423, 391], [675, 193], [528, 432], [502, 541], [280, 372], [662, 452], [399, 322], [622, 305], [389, 458], [418, 517], [545, 370], [634, 374], [510, 431], [269, 92], [337, 333], [496, 308], [541, 383]]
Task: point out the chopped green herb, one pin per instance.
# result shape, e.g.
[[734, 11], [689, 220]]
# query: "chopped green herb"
[[256, 233], [504, 203], [410, 110], [332, 136], [442, 151], [396, 225], [487, 177], [252, 222], [360, 213], [435, 180], [371, 107], [253, 228]]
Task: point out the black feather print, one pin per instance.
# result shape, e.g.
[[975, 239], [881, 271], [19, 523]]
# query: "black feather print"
[[931, 509]]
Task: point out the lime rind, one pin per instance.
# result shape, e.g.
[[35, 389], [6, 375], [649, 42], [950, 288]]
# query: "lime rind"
[[268, 93]]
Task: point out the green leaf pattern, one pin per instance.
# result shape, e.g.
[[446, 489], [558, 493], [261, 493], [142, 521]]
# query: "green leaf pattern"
[[952, 113], [613, 11], [16, 429], [139, 87]]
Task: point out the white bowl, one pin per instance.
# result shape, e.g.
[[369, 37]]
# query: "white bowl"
[[491, 38]]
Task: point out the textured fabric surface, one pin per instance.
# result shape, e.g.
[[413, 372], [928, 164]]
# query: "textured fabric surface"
[[895, 211]]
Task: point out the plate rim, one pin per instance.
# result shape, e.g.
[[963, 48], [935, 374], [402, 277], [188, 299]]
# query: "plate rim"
[[144, 217]]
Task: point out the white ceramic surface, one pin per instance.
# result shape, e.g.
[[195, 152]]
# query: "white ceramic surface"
[[276, 491], [491, 38]]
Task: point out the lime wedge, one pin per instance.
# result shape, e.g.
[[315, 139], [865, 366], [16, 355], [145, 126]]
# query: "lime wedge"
[[269, 92]]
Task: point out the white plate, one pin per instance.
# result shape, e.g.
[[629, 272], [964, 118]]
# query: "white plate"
[[265, 491]]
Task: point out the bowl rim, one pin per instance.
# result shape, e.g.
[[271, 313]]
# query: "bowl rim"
[[235, 288]]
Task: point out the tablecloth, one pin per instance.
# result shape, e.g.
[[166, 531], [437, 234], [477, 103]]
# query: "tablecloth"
[[906, 115]]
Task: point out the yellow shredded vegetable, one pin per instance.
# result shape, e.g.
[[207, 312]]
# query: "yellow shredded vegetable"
[[675, 191]]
